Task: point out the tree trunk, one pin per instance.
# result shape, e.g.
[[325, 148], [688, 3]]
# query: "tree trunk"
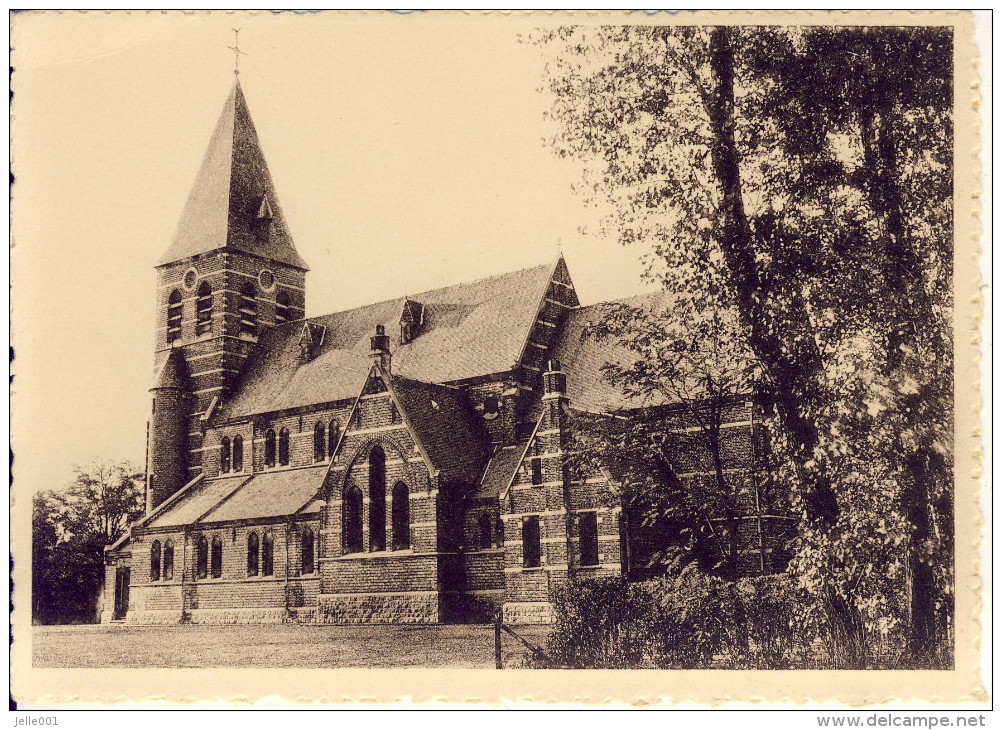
[[790, 378], [907, 303]]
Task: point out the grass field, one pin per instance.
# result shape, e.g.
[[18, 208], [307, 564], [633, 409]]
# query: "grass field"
[[282, 645]]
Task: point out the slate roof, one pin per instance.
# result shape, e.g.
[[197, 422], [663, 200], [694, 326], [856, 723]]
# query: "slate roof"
[[196, 502], [174, 371], [582, 356], [242, 497], [499, 471], [445, 425], [469, 330], [233, 202], [270, 494]]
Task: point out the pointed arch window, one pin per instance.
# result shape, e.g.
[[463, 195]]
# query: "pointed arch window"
[[319, 442], [333, 433], [269, 448], [155, 561], [217, 557], [351, 519], [202, 557], [283, 308], [268, 554], [401, 517], [224, 455], [248, 309], [283, 447], [308, 549], [203, 309], [238, 453], [484, 532], [175, 310], [377, 499], [168, 566], [253, 553]]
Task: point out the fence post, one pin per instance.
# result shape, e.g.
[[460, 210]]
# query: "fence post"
[[497, 641]]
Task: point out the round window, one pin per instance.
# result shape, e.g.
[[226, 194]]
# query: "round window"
[[266, 279], [190, 279]]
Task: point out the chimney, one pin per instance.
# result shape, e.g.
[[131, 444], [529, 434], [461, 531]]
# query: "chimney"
[[554, 381], [379, 348]]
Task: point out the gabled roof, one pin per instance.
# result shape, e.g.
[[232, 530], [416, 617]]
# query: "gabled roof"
[[582, 357], [445, 425], [233, 202], [469, 330]]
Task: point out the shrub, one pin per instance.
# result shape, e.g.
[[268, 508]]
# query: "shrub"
[[684, 620]]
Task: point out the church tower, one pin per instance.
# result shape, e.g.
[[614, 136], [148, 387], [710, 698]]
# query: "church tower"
[[231, 271]]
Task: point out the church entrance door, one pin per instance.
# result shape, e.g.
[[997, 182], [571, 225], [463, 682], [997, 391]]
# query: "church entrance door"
[[121, 593]]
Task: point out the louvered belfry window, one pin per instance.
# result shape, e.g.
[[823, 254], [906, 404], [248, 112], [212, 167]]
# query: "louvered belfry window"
[[283, 308], [175, 310], [203, 309], [248, 309]]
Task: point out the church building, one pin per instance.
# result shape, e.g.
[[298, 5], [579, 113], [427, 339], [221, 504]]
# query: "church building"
[[396, 462]]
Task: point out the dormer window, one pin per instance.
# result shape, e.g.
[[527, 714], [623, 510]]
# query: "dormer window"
[[411, 319], [203, 309], [248, 309]]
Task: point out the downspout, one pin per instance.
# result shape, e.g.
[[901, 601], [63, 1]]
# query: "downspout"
[[185, 617]]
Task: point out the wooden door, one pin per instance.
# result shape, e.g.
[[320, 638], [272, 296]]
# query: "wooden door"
[[121, 592]]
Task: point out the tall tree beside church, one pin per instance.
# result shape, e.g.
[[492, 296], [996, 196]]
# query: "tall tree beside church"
[[70, 529], [751, 175]]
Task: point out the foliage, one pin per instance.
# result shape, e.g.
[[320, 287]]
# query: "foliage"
[[800, 179], [683, 620], [70, 529]]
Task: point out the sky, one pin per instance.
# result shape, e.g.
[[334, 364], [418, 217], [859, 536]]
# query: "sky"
[[408, 153]]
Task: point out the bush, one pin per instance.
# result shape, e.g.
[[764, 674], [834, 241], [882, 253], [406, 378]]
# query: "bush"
[[685, 620]]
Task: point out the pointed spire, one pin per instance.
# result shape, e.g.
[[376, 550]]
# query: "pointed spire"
[[233, 202]]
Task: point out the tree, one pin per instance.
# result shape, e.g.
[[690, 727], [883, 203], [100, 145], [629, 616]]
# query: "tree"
[[70, 529], [769, 179]]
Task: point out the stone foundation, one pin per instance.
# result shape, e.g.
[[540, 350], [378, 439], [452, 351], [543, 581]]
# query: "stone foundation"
[[237, 616], [390, 608], [525, 612], [152, 618]]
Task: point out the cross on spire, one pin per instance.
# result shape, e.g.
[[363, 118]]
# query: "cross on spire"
[[237, 53]]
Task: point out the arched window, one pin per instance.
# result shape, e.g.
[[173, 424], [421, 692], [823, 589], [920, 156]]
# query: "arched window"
[[224, 455], [530, 542], [333, 432], [203, 309], [588, 538], [352, 520], [319, 442], [253, 552], [155, 561], [217, 557], [499, 533], [308, 549], [248, 309], [283, 308], [269, 448], [168, 571], [401, 517], [268, 554], [283, 447], [377, 499], [238, 453], [484, 531], [175, 310], [202, 557]]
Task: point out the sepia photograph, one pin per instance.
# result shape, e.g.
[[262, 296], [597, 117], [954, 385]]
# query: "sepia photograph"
[[495, 341]]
